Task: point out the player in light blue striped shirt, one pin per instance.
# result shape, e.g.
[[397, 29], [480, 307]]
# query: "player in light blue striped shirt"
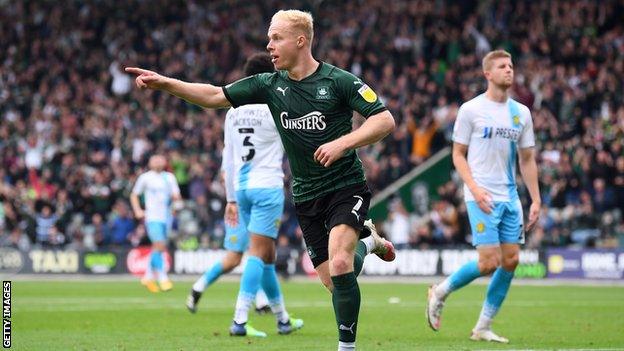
[[493, 130]]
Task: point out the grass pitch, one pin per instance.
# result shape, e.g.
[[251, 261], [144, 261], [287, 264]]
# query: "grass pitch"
[[105, 315]]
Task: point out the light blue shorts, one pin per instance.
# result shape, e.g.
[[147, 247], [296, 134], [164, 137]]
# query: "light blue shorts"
[[502, 226], [236, 238], [156, 231], [261, 210]]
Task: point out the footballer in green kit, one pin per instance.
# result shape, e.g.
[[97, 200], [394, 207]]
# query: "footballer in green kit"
[[312, 103], [308, 114]]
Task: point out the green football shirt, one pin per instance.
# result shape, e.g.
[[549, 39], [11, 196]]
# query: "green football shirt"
[[309, 113]]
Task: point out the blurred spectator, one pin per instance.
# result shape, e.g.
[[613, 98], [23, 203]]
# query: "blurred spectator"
[[95, 232], [64, 209], [397, 227], [41, 186], [46, 220], [602, 196], [121, 225], [139, 236], [75, 231], [99, 194], [15, 239], [424, 235], [422, 136], [445, 222], [56, 239], [122, 82]]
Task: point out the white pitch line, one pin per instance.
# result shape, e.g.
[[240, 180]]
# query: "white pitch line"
[[308, 303], [116, 278], [130, 303], [416, 302]]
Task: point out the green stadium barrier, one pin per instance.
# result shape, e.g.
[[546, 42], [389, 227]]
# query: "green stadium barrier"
[[417, 188]]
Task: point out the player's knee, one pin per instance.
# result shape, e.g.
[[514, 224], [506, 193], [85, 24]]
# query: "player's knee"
[[236, 261], [511, 262], [230, 262], [340, 264], [488, 269], [262, 247], [269, 257], [489, 265], [265, 254], [257, 251]]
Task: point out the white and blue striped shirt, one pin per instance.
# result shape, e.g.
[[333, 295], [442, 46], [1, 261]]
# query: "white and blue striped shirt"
[[493, 132], [159, 188], [253, 151]]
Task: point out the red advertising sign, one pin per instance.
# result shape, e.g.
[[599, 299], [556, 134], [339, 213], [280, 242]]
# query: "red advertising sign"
[[139, 258]]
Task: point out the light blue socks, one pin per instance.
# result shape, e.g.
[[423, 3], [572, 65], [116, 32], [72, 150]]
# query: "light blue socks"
[[209, 277], [271, 287], [249, 285]]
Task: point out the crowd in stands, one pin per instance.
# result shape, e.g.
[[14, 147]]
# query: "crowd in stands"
[[75, 133]]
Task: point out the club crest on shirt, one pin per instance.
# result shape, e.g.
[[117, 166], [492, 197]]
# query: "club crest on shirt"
[[322, 93], [367, 93], [516, 120], [233, 239]]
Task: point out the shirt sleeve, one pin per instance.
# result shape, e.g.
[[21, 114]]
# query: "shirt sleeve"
[[227, 162], [359, 96], [249, 90], [139, 186], [462, 130], [175, 188], [527, 137]]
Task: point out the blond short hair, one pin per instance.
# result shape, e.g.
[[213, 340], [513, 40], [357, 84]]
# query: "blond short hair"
[[493, 55], [300, 20]]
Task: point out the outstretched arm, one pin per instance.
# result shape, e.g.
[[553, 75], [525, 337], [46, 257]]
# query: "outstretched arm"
[[374, 129], [204, 95]]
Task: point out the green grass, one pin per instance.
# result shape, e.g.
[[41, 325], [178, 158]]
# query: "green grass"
[[52, 315]]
